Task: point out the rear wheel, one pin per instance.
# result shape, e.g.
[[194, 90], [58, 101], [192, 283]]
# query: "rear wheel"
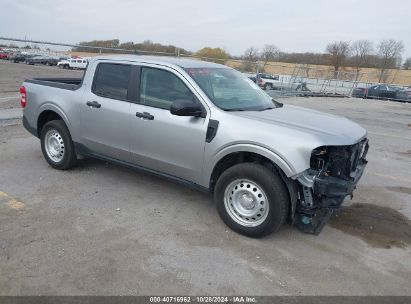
[[57, 146], [251, 199], [268, 86]]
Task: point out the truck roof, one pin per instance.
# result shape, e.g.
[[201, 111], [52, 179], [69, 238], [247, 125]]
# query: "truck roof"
[[163, 60]]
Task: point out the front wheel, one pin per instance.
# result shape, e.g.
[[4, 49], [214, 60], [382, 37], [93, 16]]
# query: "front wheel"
[[251, 199], [57, 146]]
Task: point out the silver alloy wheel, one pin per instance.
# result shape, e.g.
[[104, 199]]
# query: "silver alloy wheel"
[[246, 203], [54, 145]]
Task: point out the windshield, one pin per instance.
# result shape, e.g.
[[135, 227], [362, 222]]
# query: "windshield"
[[230, 90]]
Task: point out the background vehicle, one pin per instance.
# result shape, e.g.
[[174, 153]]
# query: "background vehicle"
[[404, 95], [253, 78], [63, 63], [385, 91], [37, 59], [73, 63], [267, 81], [205, 125], [4, 55], [359, 92], [19, 57]]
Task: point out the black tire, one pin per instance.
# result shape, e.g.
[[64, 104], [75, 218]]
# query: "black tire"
[[271, 184], [268, 86], [69, 157]]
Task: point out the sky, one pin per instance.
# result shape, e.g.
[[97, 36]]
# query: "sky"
[[235, 25]]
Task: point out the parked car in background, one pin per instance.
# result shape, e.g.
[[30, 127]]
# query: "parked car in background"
[[53, 60], [267, 81], [19, 57], [63, 64], [73, 63], [4, 55], [359, 92], [404, 95], [252, 78], [37, 59], [385, 91]]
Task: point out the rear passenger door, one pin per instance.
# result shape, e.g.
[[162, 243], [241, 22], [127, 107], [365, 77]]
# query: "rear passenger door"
[[159, 140], [105, 112]]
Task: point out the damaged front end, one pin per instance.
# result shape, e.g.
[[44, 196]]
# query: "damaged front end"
[[334, 173]]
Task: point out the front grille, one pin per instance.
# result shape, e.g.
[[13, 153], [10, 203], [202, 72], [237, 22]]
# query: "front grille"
[[339, 161]]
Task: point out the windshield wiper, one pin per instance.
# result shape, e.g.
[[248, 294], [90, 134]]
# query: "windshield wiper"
[[277, 103], [233, 110], [268, 108]]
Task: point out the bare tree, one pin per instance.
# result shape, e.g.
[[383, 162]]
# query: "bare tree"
[[360, 50], [338, 51], [407, 64], [250, 58], [251, 54], [389, 51], [269, 53]]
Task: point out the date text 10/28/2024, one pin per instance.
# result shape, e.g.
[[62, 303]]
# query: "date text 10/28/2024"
[[203, 299]]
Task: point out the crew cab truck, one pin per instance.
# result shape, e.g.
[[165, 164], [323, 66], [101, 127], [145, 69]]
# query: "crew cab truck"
[[267, 81], [205, 125]]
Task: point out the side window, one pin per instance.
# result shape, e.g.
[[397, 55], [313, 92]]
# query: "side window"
[[111, 80], [160, 88]]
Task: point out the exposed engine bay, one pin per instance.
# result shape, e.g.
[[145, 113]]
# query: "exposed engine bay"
[[334, 173]]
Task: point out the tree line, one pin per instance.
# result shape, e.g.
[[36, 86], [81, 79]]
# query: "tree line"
[[145, 47], [358, 54]]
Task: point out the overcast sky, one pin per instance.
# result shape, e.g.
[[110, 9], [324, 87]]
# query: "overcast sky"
[[292, 25]]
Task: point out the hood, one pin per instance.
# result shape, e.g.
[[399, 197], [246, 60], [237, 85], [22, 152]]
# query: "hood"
[[338, 130]]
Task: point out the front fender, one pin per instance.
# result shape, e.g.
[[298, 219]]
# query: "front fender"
[[286, 167]]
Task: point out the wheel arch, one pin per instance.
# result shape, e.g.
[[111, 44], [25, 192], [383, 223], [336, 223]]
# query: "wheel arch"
[[270, 160], [49, 113], [237, 151]]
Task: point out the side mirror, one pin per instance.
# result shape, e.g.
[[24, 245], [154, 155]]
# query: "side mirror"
[[186, 108]]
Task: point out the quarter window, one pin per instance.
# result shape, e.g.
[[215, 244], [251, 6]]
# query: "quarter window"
[[112, 80], [160, 88]]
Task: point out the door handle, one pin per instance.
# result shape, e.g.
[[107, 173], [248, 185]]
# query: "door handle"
[[145, 115], [93, 104]]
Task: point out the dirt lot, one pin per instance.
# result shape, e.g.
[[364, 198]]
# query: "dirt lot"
[[13, 74], [101, 229]]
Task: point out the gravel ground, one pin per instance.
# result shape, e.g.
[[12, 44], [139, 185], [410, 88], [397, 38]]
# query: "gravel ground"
[[101, 229]]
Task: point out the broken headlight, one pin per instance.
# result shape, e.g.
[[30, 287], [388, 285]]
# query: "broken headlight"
[[338, 161]]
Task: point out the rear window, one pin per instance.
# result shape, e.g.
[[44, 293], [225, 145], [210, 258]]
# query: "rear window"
[[112, 80]]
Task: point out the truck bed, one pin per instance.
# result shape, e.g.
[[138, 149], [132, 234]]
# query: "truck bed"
[[61, 83]]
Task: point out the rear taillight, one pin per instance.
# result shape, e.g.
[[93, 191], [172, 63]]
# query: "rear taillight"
[[23, 100], [366, 91], [260, 81]]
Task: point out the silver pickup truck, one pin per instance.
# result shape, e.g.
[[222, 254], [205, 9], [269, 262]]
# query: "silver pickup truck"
[[205, 125]]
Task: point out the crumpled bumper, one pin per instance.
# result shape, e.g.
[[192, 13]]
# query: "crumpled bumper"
[[321, 194], [333, 190]]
